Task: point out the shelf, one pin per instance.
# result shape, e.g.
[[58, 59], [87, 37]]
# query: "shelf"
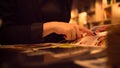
[[96, 23], [108, 21], [91, 12], [108, 8]]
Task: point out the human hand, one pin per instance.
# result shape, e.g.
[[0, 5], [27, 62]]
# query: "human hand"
[[70, 31]]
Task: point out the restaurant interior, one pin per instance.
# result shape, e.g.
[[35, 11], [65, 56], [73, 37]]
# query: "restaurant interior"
[[100, 51]]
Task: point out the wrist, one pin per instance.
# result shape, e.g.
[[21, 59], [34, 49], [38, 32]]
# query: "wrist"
[[48, 28]]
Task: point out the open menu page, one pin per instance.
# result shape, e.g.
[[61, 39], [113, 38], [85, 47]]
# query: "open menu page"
[[97, 40]]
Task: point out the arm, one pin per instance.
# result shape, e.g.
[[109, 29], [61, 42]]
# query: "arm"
[[70, 31]]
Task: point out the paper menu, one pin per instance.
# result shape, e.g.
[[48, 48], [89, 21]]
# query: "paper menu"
[[97, 40]]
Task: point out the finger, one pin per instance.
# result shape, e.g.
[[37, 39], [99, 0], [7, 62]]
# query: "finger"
[[85, 30], [78, 32], [73, 34], [68, 35]]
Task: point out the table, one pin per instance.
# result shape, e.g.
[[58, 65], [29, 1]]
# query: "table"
[[32, 55]]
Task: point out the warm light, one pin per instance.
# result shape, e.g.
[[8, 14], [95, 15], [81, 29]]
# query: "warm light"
[[82, 18]]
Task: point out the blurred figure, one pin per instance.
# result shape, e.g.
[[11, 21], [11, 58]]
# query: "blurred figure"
[[37, 21]]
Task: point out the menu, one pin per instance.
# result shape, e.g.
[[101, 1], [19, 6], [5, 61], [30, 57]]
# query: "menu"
[[97, 40]]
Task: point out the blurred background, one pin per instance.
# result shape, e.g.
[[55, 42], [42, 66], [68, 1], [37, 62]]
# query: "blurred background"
[[89, 13]]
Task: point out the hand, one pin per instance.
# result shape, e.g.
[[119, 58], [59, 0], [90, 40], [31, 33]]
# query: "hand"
[[71, 31]]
